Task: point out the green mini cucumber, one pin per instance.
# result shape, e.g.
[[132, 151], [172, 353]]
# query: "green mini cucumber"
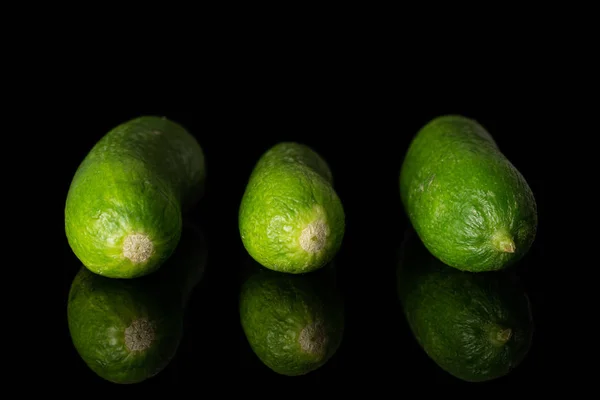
[[476, 327], [468, 203], [123, 213], [293, 323], [291, 219], [128, 330]]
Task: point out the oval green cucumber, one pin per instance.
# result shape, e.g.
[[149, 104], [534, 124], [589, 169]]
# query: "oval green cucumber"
[[468, 203], [293, 323], [121, 328], [124, 207], [291, 218], [476, 327]]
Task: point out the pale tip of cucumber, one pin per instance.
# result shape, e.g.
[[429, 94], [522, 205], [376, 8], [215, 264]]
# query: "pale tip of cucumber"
[[314, 237], [501, 335], [139, 335], [504, 242], [137, 247], [508, 247], [504, 335], [313, 338]]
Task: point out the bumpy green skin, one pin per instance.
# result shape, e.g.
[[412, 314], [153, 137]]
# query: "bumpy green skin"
[[290, 191], [464, 198], [100, 310], [138, 179], [462, 320], [293, 323]]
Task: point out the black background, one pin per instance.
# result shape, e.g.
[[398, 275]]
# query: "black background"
[[363, 138]]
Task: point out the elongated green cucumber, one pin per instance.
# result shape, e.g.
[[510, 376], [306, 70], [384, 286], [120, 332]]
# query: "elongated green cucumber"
[[123, 213], [468, 203], [291, 219]]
